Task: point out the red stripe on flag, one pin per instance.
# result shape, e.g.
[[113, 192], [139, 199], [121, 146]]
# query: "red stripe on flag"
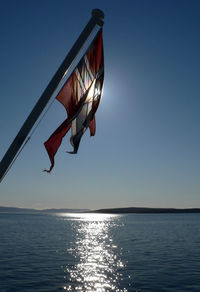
[[54, 141]]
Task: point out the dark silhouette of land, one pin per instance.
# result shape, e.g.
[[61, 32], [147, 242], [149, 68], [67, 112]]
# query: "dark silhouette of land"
[[136, 210], [26, 210], [146, 210]]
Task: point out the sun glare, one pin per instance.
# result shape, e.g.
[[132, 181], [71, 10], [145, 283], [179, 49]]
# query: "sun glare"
[[89, 216], [97, 264]]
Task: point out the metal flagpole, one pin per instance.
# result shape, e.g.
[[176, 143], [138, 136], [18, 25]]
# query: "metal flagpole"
[[97, 18]]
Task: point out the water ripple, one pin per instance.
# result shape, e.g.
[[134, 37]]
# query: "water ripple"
[[99, 264]]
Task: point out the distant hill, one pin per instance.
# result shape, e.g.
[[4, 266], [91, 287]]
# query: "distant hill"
[[145, 210], [136, 210], [25, 210], [64, 210]]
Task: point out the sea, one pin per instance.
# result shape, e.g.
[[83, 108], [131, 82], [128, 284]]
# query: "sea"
[[99, 252]]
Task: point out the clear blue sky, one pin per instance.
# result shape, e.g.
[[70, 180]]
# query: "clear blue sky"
[[146, 149]]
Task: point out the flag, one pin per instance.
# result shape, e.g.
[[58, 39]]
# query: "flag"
[[80, 95]]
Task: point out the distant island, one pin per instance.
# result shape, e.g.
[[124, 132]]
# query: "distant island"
[[144, 210], [26, 210], [136, 210]]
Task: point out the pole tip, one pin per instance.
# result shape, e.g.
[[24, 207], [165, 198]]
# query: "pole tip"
[[98, 14]]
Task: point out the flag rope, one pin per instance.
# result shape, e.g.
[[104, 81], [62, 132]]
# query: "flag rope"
[[42, 117], [16, 157], [29, 137]]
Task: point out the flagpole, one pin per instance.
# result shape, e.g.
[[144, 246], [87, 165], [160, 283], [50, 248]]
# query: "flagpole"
[[96, 19]]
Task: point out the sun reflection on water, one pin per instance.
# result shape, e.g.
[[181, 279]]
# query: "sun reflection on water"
[[98, 263]]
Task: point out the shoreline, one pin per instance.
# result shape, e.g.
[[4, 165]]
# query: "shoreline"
[[128, 210]]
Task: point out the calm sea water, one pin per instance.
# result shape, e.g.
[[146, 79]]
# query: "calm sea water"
[[99, 253]]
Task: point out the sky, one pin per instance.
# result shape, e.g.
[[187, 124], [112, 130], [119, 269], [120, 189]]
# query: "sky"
[[146, 149]]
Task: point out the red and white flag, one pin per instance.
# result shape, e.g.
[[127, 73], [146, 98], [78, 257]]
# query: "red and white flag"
[[80, 95]]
